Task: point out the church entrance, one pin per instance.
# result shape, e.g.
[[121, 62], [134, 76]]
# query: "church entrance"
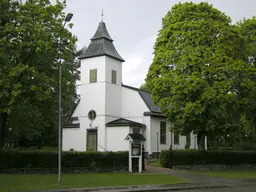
[[91, 140]]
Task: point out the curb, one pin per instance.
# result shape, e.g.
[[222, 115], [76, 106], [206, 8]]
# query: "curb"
[[136, 188]]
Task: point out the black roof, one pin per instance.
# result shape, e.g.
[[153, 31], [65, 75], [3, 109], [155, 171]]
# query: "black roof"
[[147, 98], [102, 32], [101, 44], [135, 137], [124, 122], [149, 113], [76, 125]]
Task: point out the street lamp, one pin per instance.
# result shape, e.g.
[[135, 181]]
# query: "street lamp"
[[157, 144], [67, 19]]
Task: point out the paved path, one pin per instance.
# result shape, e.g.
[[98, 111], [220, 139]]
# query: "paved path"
[[200, 179], [235, 189]]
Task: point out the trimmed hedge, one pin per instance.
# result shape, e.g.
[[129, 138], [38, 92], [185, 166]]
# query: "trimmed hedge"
[[17, 159], [193, 157]]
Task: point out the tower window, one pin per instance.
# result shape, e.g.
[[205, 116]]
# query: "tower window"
[[113, 76], [93, 75]]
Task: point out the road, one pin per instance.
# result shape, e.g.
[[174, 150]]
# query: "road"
[[236, 189]]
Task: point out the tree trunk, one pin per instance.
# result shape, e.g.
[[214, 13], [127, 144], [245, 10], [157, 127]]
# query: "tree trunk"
[[201, 141], [3, 117]]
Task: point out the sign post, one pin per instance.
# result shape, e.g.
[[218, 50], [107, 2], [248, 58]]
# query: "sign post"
[[135, 151]]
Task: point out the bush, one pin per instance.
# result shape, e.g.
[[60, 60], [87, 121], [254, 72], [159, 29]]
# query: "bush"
[[36, 159], [189, 157]]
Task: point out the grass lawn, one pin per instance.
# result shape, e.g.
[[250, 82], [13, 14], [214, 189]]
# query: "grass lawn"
[[247, 174], [36, 182], [155, 164]]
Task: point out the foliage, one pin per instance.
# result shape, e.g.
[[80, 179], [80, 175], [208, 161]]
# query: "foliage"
[[193, 157], [30, 53], [199, 76], [144, 87], [165, 158], [248, 30], [41, 159]]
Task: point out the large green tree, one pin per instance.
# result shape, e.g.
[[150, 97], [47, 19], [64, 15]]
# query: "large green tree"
[[32, 43], [199, 76], [248, 30]]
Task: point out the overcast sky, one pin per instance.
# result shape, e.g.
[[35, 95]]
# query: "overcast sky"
[[134, 25]]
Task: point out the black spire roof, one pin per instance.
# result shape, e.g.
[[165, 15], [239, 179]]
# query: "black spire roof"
[[101, 44]]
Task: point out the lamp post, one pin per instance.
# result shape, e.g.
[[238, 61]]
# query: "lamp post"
[[157, 144], [67, 19]]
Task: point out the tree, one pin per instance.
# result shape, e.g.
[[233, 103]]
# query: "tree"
[[198, 76], [34, 123], [248, 30], [144, 87], [30, 50]]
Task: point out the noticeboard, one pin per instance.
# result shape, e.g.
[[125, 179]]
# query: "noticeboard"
[[136, 149]]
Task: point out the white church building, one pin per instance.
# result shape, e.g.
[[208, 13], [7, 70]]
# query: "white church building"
[[108, 110]]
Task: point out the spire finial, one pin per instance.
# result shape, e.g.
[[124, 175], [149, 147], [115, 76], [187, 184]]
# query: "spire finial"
[[102, 14]]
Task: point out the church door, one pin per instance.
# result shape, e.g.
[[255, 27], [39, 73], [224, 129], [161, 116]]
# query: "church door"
[[91, 140]]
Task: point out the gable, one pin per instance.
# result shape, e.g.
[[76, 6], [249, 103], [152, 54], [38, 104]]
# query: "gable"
[[147, 99], [75, 111], [132, 105]]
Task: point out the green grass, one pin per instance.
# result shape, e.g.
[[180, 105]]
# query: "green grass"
[[246, 174], [155, 164], [36, 182]]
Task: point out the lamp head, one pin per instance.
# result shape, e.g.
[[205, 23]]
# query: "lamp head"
[[68, 17]]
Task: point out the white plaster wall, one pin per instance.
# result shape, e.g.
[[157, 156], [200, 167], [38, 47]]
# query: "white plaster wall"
[[93, 63], [155, 125], [115, 138], [132, 104], [113, 91], [77, 113], [73, 138], [92, 98], [133, 108], [145, 131], [113, 100], [182, 142], [193, 141], [113, 64]]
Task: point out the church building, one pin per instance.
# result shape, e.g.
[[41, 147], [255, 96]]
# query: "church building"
[[108, 110]]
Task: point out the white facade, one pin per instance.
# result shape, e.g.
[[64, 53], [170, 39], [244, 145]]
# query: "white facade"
[[119, 109]]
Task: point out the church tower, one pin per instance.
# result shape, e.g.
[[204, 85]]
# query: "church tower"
[[101, 78]]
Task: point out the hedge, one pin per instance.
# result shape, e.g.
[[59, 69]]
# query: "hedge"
[[18, 159], [194, 157]]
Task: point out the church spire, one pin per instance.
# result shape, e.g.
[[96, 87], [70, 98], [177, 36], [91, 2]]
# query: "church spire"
[[102, 15], [102, 32], [101, 44]]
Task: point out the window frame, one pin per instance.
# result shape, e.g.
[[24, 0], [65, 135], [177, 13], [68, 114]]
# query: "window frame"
[[135, 128], [113, 74], [176, 138], [163, 133], [91, 80]]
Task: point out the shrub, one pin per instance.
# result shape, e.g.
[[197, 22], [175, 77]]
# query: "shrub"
[[189, 157], [36, 159]]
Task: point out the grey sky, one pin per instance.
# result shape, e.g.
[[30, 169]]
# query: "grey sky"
[[134, 25]]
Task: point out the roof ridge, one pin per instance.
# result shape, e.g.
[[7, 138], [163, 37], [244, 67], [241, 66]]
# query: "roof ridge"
[[135, 88]]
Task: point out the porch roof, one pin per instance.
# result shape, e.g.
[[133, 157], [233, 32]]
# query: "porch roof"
[[124, 122]]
